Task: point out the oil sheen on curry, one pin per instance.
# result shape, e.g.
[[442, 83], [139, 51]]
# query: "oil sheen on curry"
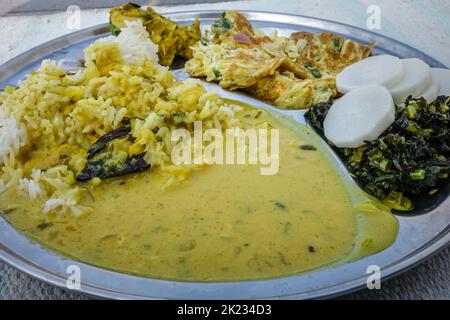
[[225, 222]]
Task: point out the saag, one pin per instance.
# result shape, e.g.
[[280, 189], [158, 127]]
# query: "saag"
[[411, 157]]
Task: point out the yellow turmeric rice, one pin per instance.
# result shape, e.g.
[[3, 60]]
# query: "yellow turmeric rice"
[[50, 120]]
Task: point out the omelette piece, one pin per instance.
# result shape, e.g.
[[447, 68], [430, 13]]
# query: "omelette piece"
[[328, 52], [234, 66], [288, 92], [172, 39], [291, 72], [231, 23], [236, 57]]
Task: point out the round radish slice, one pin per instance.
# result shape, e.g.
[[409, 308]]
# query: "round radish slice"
[[443, 76], [361, 115], [416, 77], [432, 91], [384, 70]]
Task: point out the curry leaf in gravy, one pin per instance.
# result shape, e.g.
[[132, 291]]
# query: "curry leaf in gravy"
[[108, 237], [308, 147], [7, 211], [44, 225], [281, 206], [108, 168]]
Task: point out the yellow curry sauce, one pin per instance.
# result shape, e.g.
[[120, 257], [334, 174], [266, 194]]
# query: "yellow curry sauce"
[[225, 223]]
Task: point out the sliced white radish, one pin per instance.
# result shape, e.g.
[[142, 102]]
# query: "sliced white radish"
[[443, 76], [361, 115], [383, 70], [416, 77], [432, 91]]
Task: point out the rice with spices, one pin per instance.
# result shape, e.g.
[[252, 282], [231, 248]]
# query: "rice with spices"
[[51, 119]]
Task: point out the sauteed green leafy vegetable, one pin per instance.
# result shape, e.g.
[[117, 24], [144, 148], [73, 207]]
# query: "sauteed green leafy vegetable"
[[411, 157]]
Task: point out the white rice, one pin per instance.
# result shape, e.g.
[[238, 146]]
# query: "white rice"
[[58, 203], [135, 44], [12, 138], [62, 206], [31, 187]]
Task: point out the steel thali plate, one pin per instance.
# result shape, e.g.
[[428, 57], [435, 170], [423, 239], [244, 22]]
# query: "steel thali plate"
[[420, 236]]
